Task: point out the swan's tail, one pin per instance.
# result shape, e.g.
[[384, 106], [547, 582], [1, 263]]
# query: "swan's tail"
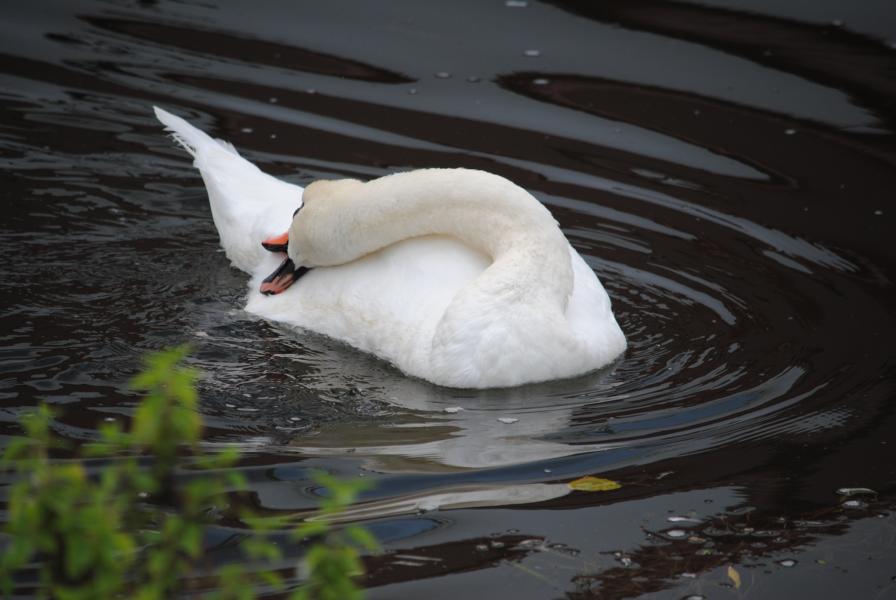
[[248, 205], [191, 138]]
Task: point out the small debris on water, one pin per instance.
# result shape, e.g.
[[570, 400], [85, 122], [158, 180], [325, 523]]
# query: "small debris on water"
[[481, 547], [109, 419], [789, 131], [246, 130], [541, 81], [516, 4], [679, 519], [443, 75], [532, 53], [854, 504], [412, 91], [734, 576], [272, 100], [878, 212], [201, 334], [452, 409], [508, 420]]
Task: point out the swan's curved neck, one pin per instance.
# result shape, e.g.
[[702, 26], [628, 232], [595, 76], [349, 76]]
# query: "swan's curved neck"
[[344, 220]]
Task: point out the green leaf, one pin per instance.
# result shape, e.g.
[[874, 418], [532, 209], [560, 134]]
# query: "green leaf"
[[594, 484]]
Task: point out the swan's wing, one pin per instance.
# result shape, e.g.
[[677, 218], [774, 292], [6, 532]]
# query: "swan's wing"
[[247, 204]]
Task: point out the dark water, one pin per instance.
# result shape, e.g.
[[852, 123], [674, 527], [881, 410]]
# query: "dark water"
[[726, 167]]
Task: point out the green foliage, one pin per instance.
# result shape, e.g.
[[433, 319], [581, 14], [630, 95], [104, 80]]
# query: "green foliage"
[[331, 566], [95, 528]]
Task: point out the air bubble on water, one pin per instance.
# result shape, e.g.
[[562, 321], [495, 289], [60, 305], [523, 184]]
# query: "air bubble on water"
[[246, 130], [856, 491], [547, 470], [443, 75], [532, 53], [273, 136], [516, 4], [878, 212], [541, 81], [676, 533], [787, 562], [789, 131], [272, 100]]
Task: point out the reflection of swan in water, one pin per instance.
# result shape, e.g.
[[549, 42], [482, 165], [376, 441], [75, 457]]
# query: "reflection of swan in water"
[[456, 497], [422, 436], [456, 276]]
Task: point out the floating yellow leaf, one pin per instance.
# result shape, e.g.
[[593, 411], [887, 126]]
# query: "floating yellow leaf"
[[594, 484], [734, 576]]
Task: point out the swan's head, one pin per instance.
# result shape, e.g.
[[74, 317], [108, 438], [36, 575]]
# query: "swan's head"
[[329, 216], [327, 199]]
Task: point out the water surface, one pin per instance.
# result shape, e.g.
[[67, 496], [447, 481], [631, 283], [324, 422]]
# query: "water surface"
[[727, 169]]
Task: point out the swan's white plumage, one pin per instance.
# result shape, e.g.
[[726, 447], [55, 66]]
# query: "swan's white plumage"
[[455, 276]]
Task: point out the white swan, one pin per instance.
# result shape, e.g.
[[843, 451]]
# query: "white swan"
[[455, 276]]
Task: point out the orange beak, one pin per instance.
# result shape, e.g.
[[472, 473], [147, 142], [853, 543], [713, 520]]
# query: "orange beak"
[[287, 273], [276, 243]]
